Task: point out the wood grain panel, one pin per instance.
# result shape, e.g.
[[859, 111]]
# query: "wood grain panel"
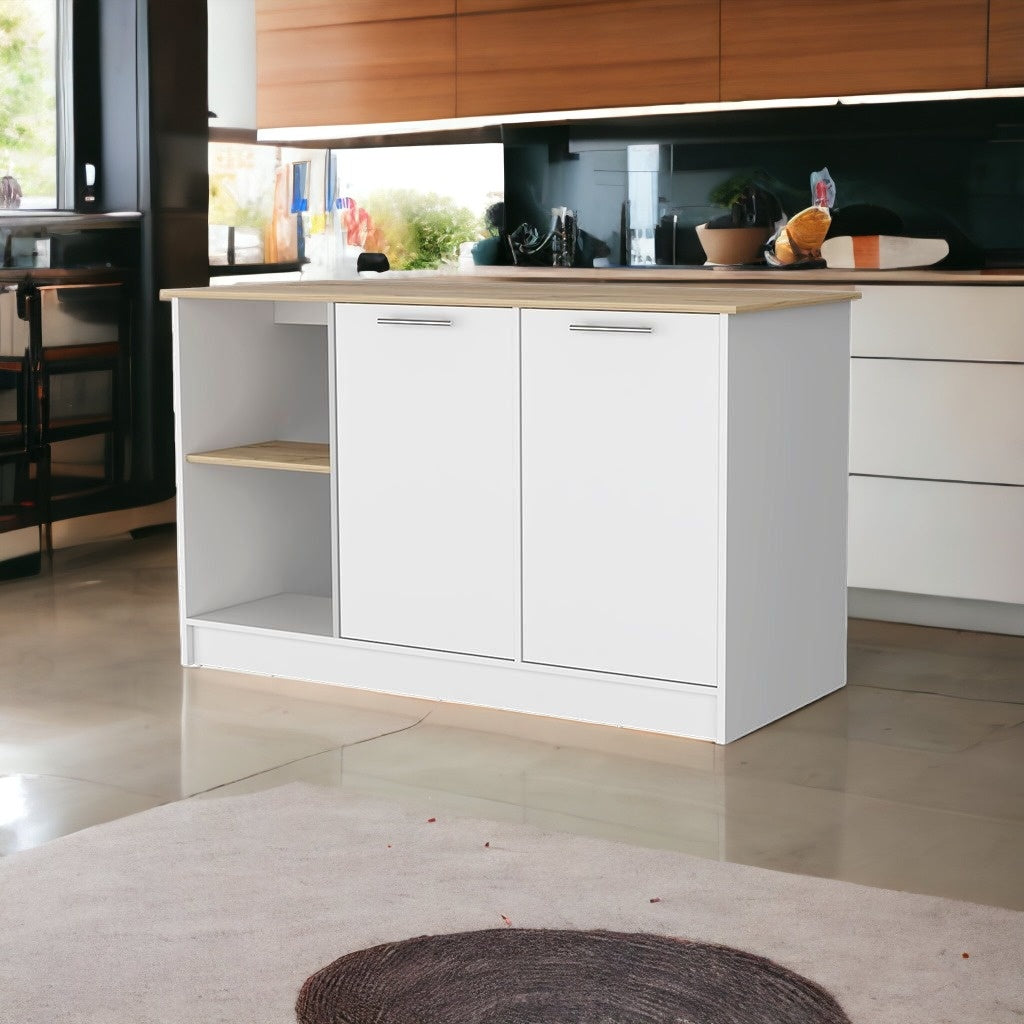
[[298, 456], [782, 48], [272, 15], [468, 290], [1006, 43], [491, 6], [356, 74], [595, 55]]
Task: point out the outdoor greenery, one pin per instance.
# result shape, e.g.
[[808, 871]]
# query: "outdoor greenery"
[[227, 208], [28, 122], [421, 230]]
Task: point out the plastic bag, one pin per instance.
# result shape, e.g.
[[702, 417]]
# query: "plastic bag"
[[798, 242], [823, 189]]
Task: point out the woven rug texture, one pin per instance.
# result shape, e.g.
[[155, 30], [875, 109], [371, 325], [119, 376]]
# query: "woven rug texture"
[[559, 975], [217, 910]]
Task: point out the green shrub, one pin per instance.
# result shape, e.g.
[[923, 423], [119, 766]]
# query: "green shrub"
[[422, 231]]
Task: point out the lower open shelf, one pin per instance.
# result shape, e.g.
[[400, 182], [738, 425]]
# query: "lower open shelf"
[[297, 456], [290, 613]]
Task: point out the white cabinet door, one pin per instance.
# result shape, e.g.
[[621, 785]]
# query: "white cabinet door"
[[427, 476], [937, 420], [620, 492]]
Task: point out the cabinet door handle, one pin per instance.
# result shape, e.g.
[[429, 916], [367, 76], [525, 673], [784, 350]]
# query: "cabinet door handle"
[[610, 329], [409, 322]]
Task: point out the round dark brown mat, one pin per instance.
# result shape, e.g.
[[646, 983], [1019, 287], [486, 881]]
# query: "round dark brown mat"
[[540, 976]]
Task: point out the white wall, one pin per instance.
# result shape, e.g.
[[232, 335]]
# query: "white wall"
[[232, 63]]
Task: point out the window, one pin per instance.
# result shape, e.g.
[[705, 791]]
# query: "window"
[[29, 81], [424, 207]]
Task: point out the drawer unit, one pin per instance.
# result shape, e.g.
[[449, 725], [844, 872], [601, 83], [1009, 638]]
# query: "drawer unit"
[[939, 322], [945, 539], [937, 420]]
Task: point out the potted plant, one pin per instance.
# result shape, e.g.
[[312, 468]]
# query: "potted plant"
[[739, 235]]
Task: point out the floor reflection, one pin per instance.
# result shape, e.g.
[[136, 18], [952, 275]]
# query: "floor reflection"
[[909, 778]]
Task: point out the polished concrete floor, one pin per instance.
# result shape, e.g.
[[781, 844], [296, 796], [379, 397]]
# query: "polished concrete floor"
[[912, 777]]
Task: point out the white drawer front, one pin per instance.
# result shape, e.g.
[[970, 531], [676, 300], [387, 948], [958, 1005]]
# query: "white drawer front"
[[939, 322], [937, 420], [946, 539]]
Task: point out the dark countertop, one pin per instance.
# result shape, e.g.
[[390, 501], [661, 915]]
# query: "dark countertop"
[[61, 275], [65, 220]]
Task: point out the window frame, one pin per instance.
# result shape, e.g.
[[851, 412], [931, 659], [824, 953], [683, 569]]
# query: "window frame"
[[64, 198]]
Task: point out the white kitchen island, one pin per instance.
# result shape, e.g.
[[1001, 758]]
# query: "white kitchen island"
[[621, 503]]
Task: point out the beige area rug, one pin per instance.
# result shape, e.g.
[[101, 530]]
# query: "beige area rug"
[[217, 910]]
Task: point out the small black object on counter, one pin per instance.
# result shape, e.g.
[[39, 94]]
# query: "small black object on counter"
[[372, 261]]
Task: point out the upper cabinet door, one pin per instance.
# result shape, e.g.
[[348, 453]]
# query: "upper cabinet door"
[[515, 57], [354, 62], [789, 48], [278, 14], [1006, 43]]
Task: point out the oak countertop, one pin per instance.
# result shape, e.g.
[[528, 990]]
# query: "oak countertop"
[[634, 294], [767, 277]]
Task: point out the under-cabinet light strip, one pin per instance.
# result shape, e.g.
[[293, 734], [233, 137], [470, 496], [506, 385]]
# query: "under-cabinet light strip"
[[345, 131]]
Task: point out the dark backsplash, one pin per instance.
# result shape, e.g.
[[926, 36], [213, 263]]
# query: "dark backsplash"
[[953, 168]]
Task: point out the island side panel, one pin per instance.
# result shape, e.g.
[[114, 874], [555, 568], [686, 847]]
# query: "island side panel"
[[184, 633], [785, 475]]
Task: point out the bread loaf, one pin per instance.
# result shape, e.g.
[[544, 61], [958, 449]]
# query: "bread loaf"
[[807, 229], [784, 251]]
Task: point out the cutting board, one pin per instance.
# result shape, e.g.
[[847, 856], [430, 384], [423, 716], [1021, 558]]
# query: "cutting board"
[[882, 252]]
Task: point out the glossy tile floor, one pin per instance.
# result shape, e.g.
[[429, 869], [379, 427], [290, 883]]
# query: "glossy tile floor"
[[910, 778]]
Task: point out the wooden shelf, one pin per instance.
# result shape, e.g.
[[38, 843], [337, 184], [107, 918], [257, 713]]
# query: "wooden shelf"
[[295, 456]]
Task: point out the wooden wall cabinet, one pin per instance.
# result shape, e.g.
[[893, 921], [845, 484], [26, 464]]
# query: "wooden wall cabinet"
[[789, 48], [361, 62], [354, 62], [1005, 43], [514, 56]]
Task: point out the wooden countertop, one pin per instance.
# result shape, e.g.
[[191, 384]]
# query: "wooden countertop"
[[771, 278], [634, 294]]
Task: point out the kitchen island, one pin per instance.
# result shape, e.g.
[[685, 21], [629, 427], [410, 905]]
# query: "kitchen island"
[[621, 503]]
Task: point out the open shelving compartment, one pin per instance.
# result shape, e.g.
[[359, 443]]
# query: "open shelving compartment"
[[255, 485]]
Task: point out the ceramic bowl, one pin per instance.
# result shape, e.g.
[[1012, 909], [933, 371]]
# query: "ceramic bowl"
[[729, 246]]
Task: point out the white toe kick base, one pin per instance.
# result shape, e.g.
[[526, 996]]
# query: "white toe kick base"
[[677, 709]]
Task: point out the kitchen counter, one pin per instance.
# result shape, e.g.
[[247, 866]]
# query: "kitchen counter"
[[764, 276], [615, 502], [566, 291]]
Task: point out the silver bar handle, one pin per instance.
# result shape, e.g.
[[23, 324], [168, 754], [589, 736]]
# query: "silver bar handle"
[[610, 329], [409, 322]]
